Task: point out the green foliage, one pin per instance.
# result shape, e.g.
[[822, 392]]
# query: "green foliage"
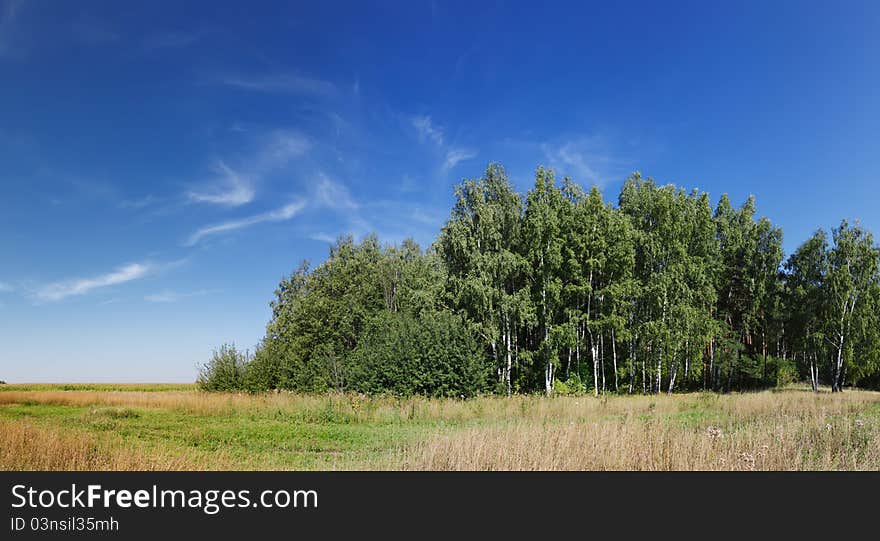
[[432, 355], [319, 316], [264, 371], [558, 291], [573, 386], [783, 371], [225, 371]]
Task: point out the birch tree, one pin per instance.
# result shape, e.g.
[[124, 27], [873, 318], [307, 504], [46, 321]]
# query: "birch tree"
[[852, 275]]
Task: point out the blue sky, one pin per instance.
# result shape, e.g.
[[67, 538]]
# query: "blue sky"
[[163, 166]]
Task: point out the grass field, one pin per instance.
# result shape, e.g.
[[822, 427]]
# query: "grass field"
[[160, 427], [145, 387]]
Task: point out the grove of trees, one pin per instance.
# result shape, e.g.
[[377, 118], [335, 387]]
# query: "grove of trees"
[[559, 291]]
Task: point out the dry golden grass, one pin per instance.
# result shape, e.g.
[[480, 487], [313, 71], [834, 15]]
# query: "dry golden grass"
[[348, 407], [157, 387], [359, 408], [24, 446], [189, 401], [762, 431]]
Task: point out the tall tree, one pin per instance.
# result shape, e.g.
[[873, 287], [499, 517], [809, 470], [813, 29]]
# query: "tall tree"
[[806, 271], [543, 249], [851, 279], [479, 247]]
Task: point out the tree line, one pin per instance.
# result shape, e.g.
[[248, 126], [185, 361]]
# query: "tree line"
[[560, 291]]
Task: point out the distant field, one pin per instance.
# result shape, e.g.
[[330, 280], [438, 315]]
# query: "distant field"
[[162, 427], [143, 387]]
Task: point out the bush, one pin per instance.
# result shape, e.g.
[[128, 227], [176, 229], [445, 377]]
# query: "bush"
[[786, 371], [560, 388], [435, 354], [225, 371], [263, 371], [573, 386]]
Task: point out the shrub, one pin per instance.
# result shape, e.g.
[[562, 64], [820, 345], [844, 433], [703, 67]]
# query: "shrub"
[[573, 386], [560, 388], [225, 371], [263, 371], [435, 354], [786, 371]]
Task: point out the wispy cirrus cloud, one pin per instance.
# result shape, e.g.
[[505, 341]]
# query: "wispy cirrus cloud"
[[585, 159], [57, 291], [279, 147], [451, 154], [279, 82], [279, 215], [457, 155], [426, 130], [333, 194], [569, 159], [235, 189], [168, 296], [323, 237]]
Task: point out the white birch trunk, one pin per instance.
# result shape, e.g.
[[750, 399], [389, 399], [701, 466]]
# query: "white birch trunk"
[[614, 359]]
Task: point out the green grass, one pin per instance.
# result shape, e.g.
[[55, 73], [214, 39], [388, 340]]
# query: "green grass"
[[349, 432], [254, 439]]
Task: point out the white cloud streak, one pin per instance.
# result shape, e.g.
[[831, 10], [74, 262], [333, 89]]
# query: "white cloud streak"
[[569, 159], [426, 129], [61, 290], [333, 195], [585, 159], [168, 296], [280, 147], [284, 213], [235, 189], [323, 237], [457, 155]]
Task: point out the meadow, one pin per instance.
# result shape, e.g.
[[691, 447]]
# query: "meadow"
[[175, 427]]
